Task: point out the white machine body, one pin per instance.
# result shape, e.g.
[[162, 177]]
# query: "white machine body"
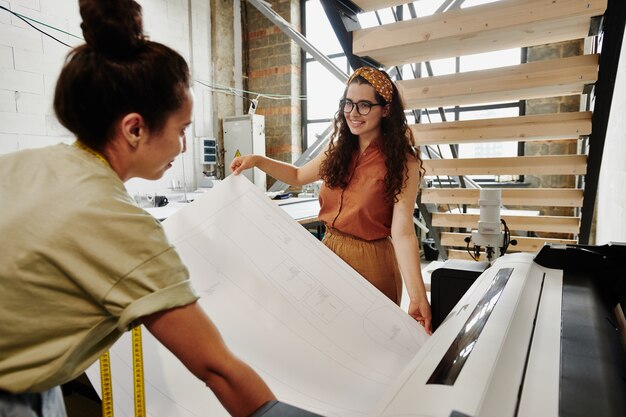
[[245, 135], [490, 333], [489, 234]]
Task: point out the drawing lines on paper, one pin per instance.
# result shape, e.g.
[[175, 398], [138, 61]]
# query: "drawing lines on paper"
[[274, 373], [279, 269], [304, 288], [393, 338], [369, 312]]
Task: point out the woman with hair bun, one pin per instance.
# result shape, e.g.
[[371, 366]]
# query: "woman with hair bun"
[[80, 262], [371, 173]]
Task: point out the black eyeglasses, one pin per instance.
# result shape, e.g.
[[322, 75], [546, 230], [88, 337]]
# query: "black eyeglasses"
[[362, 107]]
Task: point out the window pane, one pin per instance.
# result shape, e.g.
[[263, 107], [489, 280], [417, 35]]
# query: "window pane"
[[367, 20], [487, 150], [443, 150], [323, 90], [440, 67], [386, 16], [319, 32], [315, 129], [434, 116], [488, 60], [472, 3], [489, 113], [422, 8], [425, 8], [408, 73]]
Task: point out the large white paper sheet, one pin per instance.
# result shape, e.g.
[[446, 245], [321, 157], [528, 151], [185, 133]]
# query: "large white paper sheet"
[[319, 334]]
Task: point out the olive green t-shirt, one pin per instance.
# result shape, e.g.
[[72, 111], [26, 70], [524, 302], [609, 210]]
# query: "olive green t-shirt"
[[79, 264]]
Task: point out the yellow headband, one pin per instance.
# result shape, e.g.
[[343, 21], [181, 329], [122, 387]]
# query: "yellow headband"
[[377, 79]]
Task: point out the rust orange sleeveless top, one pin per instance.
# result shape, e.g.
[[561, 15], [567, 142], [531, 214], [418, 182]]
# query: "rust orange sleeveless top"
[[360, 209]]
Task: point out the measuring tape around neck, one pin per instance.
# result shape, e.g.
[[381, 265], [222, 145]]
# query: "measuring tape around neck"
[[138, 380]]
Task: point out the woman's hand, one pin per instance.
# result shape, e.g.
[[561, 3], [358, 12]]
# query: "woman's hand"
[[420, 310], [241, 163]]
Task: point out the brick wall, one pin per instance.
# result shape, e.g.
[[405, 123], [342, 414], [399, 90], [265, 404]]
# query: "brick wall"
[[273, 66], [30, 63]]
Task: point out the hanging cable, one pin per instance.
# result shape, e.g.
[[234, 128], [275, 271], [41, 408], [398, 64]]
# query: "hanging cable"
[[507, 238], [213, 87], [476, 255], [26, 20]]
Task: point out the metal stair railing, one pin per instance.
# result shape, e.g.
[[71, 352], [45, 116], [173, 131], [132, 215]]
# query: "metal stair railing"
[[266, 9], [613, 34]]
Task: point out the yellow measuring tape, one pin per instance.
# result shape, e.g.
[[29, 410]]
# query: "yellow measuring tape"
[[138, 381], [106, 386]]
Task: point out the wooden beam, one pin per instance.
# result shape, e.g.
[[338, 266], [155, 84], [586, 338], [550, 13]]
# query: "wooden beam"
[[551, 78], [540, 197], [553, 224], [490, 27], [523, 128], [524, 244], [520, 165]]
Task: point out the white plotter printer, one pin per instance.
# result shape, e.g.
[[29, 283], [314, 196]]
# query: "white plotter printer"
[[534, 336]]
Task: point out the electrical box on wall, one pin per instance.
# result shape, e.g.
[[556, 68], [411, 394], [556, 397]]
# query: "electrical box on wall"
[[244, 135], [209, 151]]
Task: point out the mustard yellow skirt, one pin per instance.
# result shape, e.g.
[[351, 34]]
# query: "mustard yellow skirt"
[[375, 260]]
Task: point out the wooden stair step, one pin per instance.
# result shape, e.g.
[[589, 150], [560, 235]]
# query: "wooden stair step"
[[520, 165], [551, 78], [524, 244], [553, 224], [371, 5], [490, 27], [539, 197], [523, 128]]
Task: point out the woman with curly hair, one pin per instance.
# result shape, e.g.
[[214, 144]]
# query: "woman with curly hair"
[[371, 172]]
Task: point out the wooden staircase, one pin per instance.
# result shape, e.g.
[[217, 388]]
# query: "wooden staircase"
[[451, 212]]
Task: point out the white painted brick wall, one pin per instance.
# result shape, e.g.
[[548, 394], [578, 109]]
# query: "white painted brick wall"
[[6, 57], [28, 4], [21, 38], [27, 60], [22, 123], [30, 63], [28, 103], [178, 12], [7, 101], [24, 81], [59, 8], [54, 128], [8, 143], [5, 17], [39, 141]]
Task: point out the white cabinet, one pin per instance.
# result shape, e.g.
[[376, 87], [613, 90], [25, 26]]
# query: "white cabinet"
[[245, 135]]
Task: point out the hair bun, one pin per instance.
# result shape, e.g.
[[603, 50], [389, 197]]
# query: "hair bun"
[[113, 28]]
